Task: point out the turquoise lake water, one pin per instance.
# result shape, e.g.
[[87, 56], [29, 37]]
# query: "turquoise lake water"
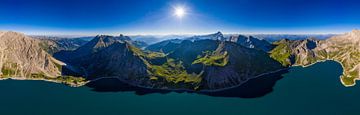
[[301, 91]]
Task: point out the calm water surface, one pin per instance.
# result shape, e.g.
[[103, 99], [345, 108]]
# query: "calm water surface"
[[312, 90]]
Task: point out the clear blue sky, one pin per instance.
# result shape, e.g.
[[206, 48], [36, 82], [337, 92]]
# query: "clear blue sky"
[[157, 17]]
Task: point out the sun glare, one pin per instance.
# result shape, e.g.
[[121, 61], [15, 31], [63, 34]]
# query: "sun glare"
[[179, 12]]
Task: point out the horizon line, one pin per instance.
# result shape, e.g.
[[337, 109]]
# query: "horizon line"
[[182, 34], [59, 33]]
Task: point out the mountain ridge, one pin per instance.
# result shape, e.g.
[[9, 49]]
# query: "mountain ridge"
[[185, 66], [206, 62]]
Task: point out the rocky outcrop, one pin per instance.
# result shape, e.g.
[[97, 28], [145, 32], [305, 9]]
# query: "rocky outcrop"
[[22, 56]]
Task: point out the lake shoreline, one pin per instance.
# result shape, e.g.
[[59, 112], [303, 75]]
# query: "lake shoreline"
[[148, 88], [46, 80], [199, 91]]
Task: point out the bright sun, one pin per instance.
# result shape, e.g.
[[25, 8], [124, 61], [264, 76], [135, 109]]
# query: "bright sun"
[[180, 12]]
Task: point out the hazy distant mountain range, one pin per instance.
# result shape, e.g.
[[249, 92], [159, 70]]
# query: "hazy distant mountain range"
[[202, 62], [276, 37], [151, 39]]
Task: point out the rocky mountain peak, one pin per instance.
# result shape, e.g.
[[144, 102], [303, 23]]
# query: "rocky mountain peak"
[[355, 31], [355, 34], [11, 33], [101, 41], [215, 36], [352, 37], [218, 33]]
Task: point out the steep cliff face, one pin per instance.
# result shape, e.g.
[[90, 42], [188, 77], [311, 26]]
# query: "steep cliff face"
[[296, 52], [22, 56], [344, 49]]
